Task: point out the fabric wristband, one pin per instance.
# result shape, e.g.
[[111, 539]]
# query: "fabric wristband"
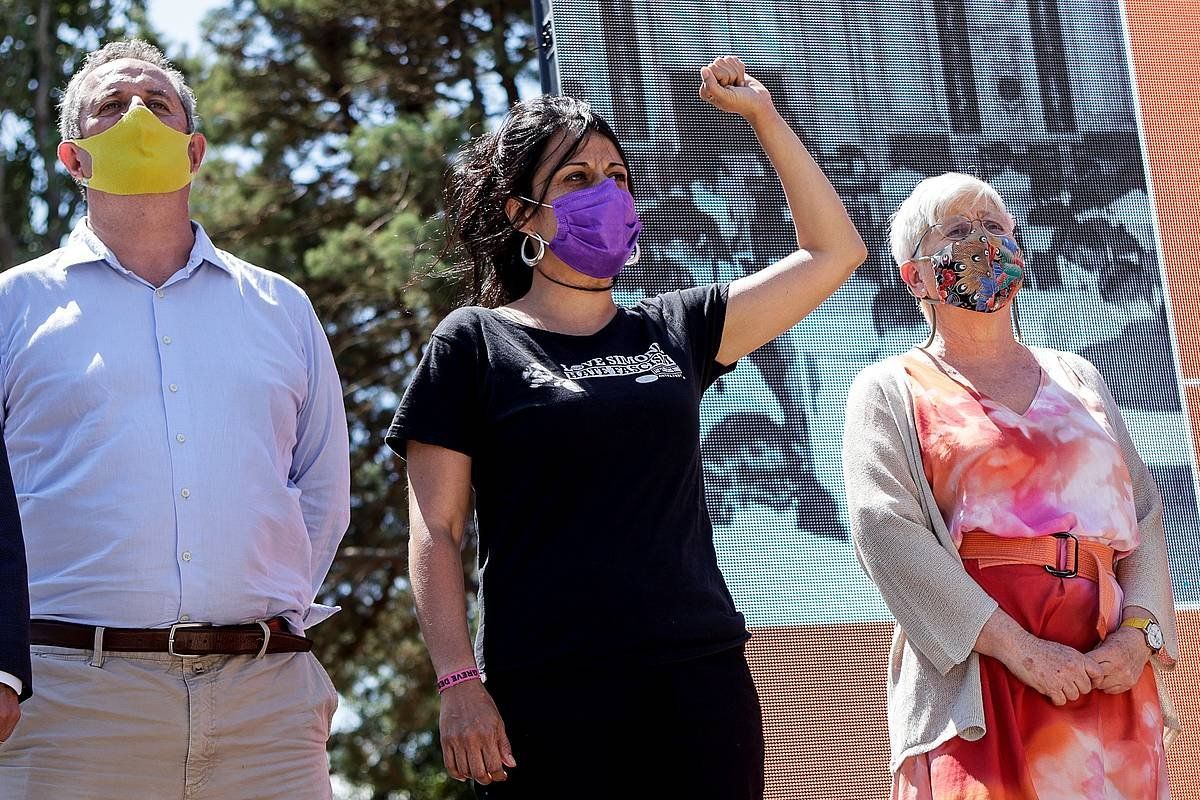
[[457, 677]]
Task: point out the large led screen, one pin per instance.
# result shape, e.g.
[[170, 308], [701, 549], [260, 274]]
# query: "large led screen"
[[1039, 98]]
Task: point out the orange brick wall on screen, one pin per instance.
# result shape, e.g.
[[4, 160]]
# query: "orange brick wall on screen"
[[1167, 65], [823, 692], [823, 697]]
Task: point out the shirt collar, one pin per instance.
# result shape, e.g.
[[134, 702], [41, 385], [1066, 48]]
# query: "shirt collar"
[[84, 247]]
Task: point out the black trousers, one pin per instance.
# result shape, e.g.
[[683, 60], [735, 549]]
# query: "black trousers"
[[685, 730]]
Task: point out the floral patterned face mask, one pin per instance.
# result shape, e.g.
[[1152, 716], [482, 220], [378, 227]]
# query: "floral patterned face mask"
[[980, 272]]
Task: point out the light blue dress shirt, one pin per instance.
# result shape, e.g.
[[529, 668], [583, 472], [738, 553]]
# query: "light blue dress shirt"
[[179, 453]]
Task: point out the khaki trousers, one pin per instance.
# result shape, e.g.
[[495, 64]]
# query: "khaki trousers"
[[150, 726]]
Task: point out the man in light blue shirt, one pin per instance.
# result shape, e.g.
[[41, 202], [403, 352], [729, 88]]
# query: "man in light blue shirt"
[[179, 450]]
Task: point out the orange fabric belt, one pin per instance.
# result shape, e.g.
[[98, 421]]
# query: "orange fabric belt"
[[1061, 554]]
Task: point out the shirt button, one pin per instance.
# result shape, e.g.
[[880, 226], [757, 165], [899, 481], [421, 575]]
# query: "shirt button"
[[184, 618], [159, 293], [166, 340], [185, 493], [174, 387], [187, 555], [179, 437]]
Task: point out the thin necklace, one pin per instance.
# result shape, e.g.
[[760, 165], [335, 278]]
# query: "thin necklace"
[[608, 288]]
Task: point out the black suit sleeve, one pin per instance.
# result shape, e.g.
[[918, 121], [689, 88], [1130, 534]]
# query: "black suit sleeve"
[[14, 584]]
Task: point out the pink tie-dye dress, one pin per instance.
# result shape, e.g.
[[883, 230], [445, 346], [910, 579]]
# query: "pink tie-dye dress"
[[1056, 467]]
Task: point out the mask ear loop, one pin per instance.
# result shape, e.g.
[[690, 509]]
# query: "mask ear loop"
[[1016, 321], [932, 321], [932, 308], [533, 261]]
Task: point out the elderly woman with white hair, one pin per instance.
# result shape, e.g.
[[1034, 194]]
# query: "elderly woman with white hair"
[[998, 503]]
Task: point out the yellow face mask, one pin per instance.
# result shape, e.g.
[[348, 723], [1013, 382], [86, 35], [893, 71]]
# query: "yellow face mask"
[[138, 155]]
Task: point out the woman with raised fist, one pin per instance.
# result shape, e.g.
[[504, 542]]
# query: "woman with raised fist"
[[609, 646]]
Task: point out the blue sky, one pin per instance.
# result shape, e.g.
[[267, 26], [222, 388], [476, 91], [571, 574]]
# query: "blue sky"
[[179, 20]]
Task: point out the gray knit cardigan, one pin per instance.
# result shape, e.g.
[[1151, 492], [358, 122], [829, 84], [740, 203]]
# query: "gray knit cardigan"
[[934, 691]]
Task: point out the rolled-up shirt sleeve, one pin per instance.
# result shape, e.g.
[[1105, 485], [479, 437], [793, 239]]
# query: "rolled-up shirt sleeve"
[[12, 682]]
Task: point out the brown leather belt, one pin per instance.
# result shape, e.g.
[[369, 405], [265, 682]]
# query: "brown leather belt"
[[183, 639]]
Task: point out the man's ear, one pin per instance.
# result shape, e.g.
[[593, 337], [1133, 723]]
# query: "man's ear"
[[77, 161], [196, 150]]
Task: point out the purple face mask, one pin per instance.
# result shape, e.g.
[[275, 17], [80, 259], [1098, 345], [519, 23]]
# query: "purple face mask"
[[598, 229]]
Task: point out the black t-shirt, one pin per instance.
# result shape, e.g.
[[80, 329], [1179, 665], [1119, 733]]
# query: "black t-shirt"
[[595, 543]]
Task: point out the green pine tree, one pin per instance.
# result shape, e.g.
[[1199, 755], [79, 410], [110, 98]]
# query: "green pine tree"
[[329, 123]]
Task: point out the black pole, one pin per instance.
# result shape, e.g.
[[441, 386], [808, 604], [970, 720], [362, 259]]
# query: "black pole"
[[543, 32]]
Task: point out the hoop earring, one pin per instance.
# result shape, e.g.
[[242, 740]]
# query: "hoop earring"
[[1016, 321], [636, 256], [533, 261], [932, 324]]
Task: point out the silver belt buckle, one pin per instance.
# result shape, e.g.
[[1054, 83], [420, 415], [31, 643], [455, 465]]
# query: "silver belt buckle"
[[171, 638], [1063, 572]]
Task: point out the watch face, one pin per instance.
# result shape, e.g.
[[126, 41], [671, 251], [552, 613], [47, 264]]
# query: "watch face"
[[1154, 637]]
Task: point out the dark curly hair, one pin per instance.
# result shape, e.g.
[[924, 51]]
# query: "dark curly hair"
[[481, 240]]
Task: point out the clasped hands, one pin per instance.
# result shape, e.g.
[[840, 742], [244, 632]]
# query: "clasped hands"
[[1063, 674]]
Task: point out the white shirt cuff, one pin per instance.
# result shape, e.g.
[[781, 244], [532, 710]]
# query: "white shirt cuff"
[[12, 681]]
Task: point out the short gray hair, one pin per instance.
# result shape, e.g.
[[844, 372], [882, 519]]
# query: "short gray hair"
[[70, 110], [924, 207]]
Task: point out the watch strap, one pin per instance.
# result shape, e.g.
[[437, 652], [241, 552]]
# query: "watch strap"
[[1143, 624]]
